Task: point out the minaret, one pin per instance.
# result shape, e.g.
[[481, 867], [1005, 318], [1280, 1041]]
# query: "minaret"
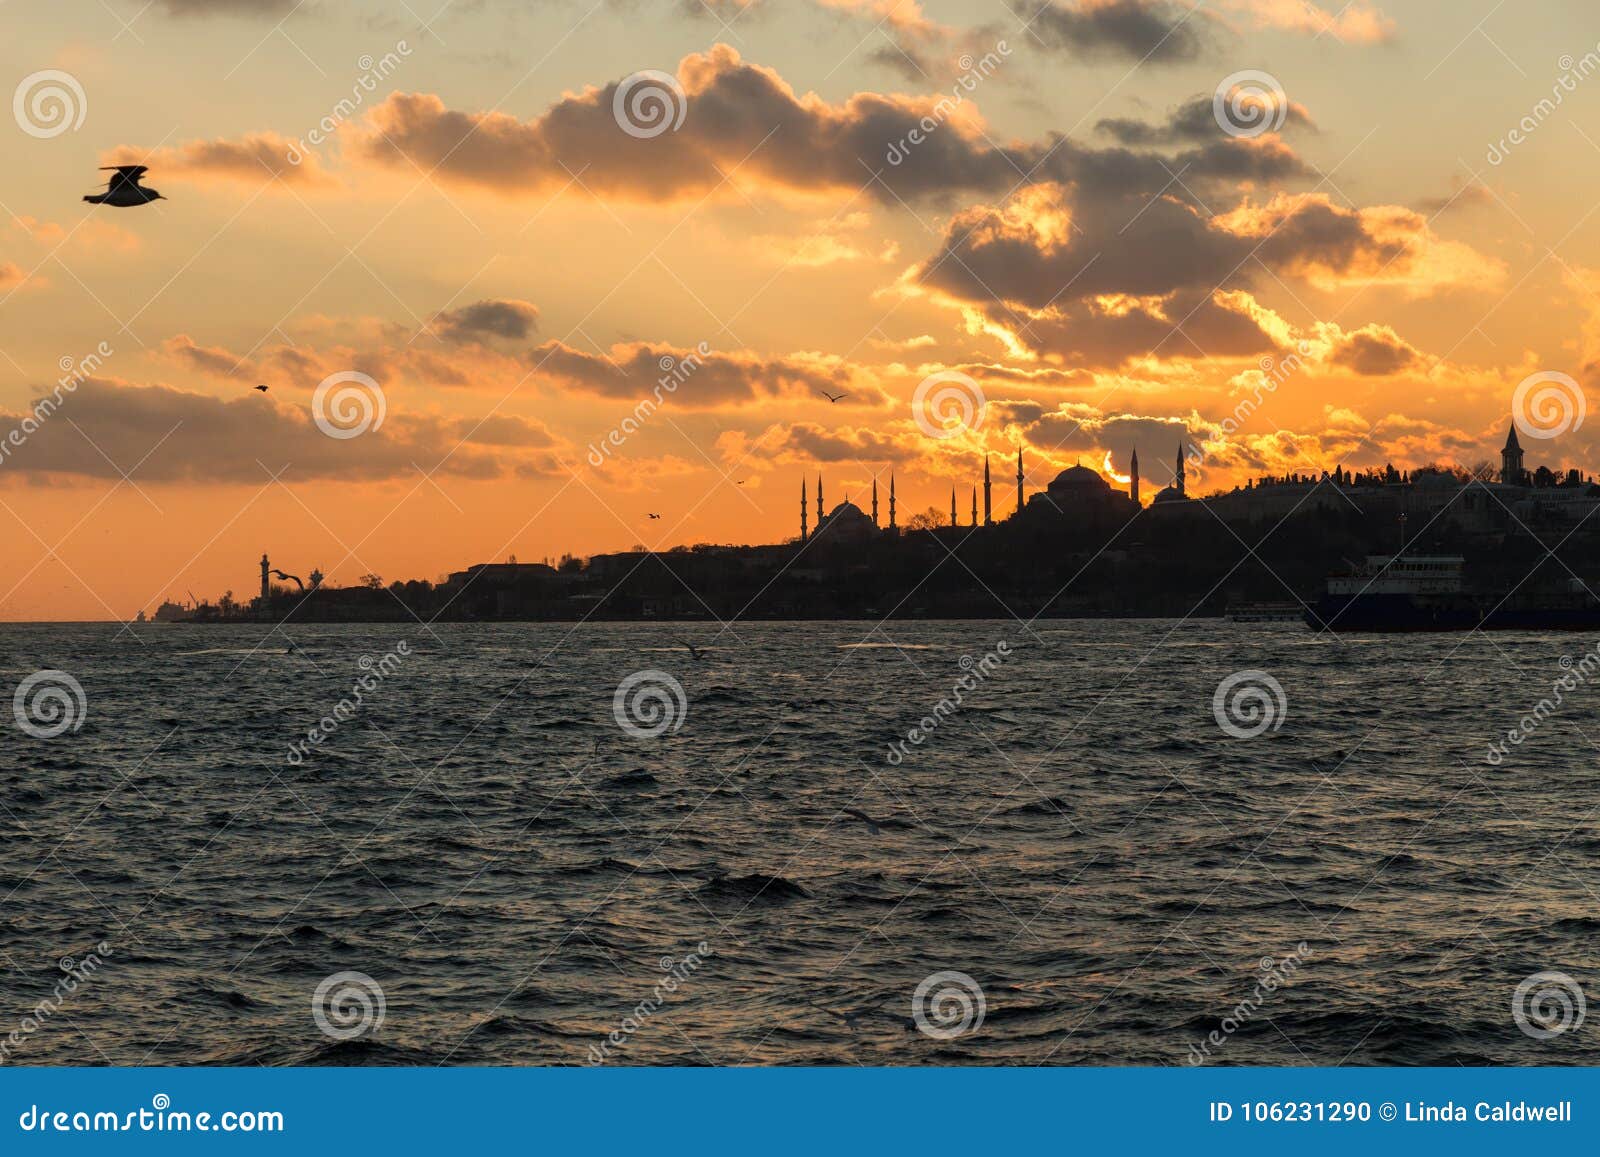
[[266, 591], [874, 500], [974, 506], [988, 520], [1133, 477], [1511, 459], [1177, 479], [1019, 479], [802, 509], [953, 522], [891, 501], [820, 507]]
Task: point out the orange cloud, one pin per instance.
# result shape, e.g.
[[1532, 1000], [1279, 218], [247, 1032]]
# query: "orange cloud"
[[254, 157]]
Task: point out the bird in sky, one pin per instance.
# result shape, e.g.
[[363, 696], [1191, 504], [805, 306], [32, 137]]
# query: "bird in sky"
[[833, 397], [263, 389], [123, 190], [655, 516]]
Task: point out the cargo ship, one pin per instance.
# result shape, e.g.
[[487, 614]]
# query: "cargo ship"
[[1394, 593]]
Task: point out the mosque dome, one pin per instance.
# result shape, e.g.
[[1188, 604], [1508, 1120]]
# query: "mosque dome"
[[1077, 479], [847, 520], [1170, 494]]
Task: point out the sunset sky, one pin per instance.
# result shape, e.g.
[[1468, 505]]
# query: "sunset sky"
[[477, 231]]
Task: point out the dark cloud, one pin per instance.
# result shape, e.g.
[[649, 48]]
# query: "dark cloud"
[[229, 7], [642, 369], [1195, 120], [811, 442], [1099, 276], [177, 436], [1375, 350], [1133, 30], [741, 118], [509, 319]]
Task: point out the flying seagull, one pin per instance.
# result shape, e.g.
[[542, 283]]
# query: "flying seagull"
[[693, 650], [263, 389], [287, 577], [833, 397], [123, 190], [872, 824], [655, 516]]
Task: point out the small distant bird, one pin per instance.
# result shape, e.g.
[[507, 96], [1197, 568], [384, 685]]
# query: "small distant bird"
[[263, 389], [872, 824], [833, 397], [655, 516], [123, 190], [694, 651]]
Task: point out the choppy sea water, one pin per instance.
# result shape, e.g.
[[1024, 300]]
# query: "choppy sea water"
[[527, 881]]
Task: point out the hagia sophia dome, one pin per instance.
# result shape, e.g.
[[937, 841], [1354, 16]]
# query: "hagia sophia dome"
[[1078, 480]]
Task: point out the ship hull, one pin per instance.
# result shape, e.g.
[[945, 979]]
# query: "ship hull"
[[1397, 613]]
